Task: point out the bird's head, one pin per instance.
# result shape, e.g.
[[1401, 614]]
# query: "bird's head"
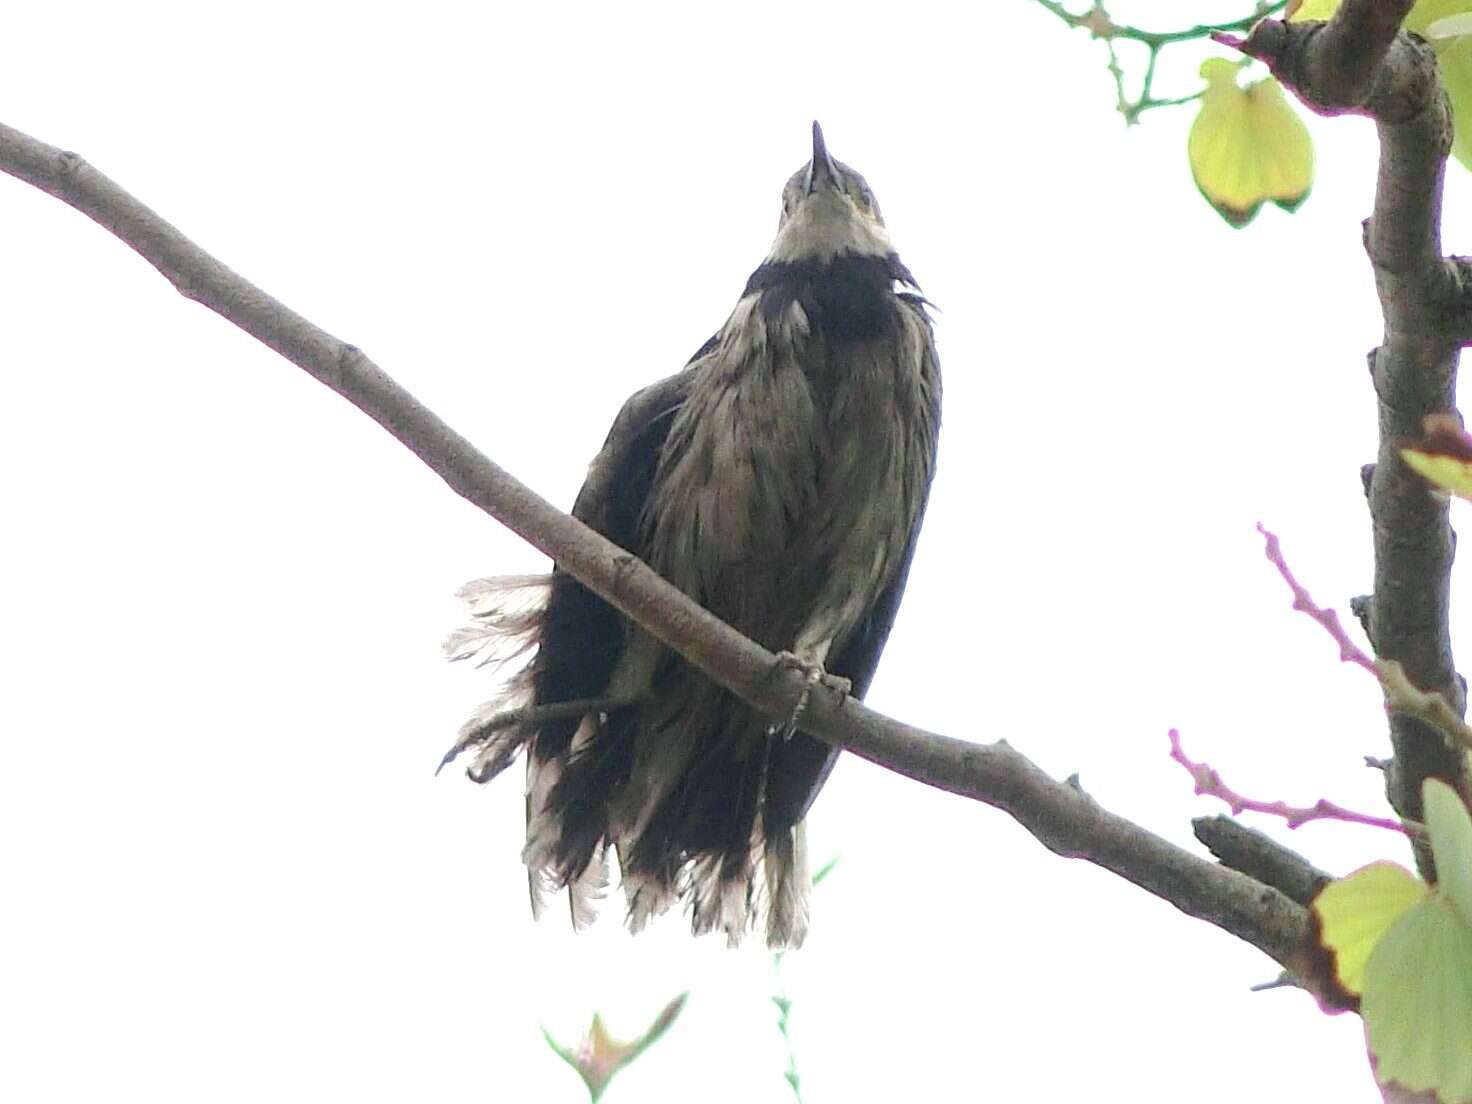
[[828, 209]]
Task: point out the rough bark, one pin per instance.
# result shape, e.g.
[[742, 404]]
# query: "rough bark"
[[1361, 63]]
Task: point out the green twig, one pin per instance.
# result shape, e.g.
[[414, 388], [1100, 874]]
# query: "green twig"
[[1100, 25], [1098, 22], [784, 1010], [784, 1002]]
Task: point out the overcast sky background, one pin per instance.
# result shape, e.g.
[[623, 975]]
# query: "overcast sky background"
[[229, 873]]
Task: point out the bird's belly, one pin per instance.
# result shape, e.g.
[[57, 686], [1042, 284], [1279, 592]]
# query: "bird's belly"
[[783, 520], [858, 547]]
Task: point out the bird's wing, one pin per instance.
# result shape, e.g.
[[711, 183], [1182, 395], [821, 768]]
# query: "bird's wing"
[[582, 636], [580, 640], [801, 765], [859, 657]]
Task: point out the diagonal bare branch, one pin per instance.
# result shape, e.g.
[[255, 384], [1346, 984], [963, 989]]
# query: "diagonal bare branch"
[[1064, 818]]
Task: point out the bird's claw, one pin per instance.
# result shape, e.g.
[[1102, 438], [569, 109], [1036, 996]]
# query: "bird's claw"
[[815, 675]]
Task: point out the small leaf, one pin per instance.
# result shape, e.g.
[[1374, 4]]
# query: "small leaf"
[[1311, 9], [1453, 26], [1426, 14], [1432, 20], [1417, 1003], [824, 871], [1450, 826], [1454, 59], [1248, 146], [599, 1056], [1446, 472], [1443, 456], [1355, 912], [1421, 19]]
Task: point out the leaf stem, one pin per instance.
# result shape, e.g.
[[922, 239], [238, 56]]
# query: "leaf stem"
[[1098, 22]]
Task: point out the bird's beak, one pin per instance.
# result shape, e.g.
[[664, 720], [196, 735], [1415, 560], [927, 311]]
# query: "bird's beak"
[[820, 168]]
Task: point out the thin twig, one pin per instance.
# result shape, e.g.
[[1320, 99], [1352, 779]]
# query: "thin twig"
[[1098, 22], [1209, 783], [783, 1003], [1303, 602], [1100, 25], [1401, 695]]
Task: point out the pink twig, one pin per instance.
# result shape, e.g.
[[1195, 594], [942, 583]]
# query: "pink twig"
[[1401, 695], [1303, 602], [1210, 783]]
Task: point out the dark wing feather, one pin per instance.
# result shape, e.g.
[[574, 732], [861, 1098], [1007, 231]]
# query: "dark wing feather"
[[582, 635], [580, 642]]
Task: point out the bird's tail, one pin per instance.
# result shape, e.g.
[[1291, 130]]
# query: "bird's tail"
[[507, 620], [676, 786], [692, 822]]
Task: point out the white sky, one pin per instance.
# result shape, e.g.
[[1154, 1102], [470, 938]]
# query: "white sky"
[[228, 871]]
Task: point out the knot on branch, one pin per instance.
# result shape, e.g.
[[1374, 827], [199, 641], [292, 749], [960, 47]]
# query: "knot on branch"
[[1419, 91], [1358, 63], [1259, 856]]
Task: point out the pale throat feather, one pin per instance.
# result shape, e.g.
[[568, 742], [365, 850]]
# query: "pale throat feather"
[[826, 226]]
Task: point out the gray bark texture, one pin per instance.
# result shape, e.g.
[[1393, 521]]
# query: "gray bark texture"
[[1361, 63]]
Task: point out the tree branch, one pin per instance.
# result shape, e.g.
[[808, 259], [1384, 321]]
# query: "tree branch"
[[1260, 856], [1062, 817], [1361, 63], [1209, 782]]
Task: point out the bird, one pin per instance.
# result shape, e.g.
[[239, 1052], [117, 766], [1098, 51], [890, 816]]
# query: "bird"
[[780, 479]]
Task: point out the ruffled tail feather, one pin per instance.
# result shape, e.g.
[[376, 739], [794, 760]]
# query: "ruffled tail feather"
[[678, 793]]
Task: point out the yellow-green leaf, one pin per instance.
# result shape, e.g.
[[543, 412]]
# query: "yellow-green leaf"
[[1453, 26], [1447, 472], [1311, 9], [1354, 913], [1421, 16], [1427, 12], [1443, 455], [1417, 1003], [1454, 58], [1248, 146], [1450, 826]]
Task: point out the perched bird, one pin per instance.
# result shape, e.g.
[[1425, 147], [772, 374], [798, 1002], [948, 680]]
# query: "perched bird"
[[779, 480]]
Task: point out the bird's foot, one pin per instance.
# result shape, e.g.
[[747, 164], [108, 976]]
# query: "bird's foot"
[[815, 675]]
